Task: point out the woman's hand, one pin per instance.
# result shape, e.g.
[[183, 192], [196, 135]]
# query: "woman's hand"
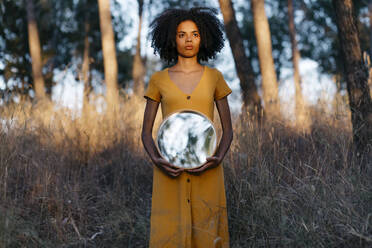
[[227, 136], [211, 162], [148, 142], [167, 167]]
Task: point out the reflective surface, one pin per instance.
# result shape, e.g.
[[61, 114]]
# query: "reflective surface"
[[186, 139]]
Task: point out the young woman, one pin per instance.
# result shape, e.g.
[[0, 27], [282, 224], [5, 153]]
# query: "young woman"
[[188, 205]]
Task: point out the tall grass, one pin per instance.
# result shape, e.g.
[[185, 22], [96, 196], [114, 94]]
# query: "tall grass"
[[67, 181]]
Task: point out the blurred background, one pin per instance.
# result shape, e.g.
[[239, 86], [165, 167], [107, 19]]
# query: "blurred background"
[[68, 29], [73, 171]]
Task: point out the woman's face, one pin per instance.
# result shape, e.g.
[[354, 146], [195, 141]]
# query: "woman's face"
[[188, 39]]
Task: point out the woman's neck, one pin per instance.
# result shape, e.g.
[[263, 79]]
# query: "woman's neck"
[[187, 64]]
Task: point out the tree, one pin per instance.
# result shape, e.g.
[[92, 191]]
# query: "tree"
[[180, 3], [109, 54], [318, 26], [35, 51], [356, 75], [138, 69], [14, 50], [85, 42], [370, 45], [263, 37], [302, 117], [85, 66], [370, 28], [63, 35], [251, 99]]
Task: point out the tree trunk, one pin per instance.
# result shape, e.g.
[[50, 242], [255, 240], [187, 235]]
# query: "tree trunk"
[[370, 28], [263, 37], [85, 68], [356, 76], [370, 46], [35, 51], [138, 70], [250, 97], [302, 118], [109, 55]]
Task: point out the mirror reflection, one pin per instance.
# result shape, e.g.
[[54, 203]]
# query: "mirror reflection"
[[186, 139]]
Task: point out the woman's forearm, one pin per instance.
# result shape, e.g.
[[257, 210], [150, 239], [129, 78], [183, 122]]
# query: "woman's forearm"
[[224, 145], [148, 123], [150, 147], [227, 131]]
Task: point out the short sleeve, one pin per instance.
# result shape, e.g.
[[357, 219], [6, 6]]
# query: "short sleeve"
[[152, 91], [222, 89]]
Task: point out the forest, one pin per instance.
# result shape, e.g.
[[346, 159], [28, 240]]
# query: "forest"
[[73, 169]]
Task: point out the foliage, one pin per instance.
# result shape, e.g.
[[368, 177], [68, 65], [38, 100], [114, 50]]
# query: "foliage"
[[316, 34], [61, 30], [279, 35], [318, 38], [87, 182]]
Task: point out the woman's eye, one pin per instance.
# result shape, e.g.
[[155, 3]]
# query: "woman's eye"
[[196, 35], [180, 35]]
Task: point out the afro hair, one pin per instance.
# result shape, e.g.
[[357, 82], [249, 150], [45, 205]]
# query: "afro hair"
[[164, 30]]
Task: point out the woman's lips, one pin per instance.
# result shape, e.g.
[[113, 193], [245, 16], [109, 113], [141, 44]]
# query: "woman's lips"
[[189, 47]]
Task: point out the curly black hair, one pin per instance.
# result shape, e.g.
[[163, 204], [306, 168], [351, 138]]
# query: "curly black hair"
[[164, 30]]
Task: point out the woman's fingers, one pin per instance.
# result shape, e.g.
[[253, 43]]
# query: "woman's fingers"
[[202, 168], [169, 168], [211, 163], [166, 163], [170, 171], [174, 174], [175, 171], [213, 159]]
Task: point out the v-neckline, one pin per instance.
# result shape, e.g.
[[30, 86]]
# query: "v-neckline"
[[186, 94]]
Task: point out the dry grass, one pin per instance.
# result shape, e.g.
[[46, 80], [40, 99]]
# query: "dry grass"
[[70, 182]]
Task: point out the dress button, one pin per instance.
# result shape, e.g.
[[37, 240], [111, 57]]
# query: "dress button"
[[188, 97], [188, 200], [188, 180]]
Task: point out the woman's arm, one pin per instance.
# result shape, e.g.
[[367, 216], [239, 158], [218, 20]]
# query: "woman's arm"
[[227, 136], [149, 144]]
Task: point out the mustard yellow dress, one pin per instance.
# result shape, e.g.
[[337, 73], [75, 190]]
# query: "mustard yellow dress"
[[188, 211]]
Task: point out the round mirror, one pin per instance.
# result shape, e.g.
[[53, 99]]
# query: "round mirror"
[[186, 139]]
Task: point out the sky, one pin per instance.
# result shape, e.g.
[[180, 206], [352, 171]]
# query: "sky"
[[69, 92]]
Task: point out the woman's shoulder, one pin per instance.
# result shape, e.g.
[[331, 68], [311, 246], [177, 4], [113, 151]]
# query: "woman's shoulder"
[[158, 75], [213, 71]]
